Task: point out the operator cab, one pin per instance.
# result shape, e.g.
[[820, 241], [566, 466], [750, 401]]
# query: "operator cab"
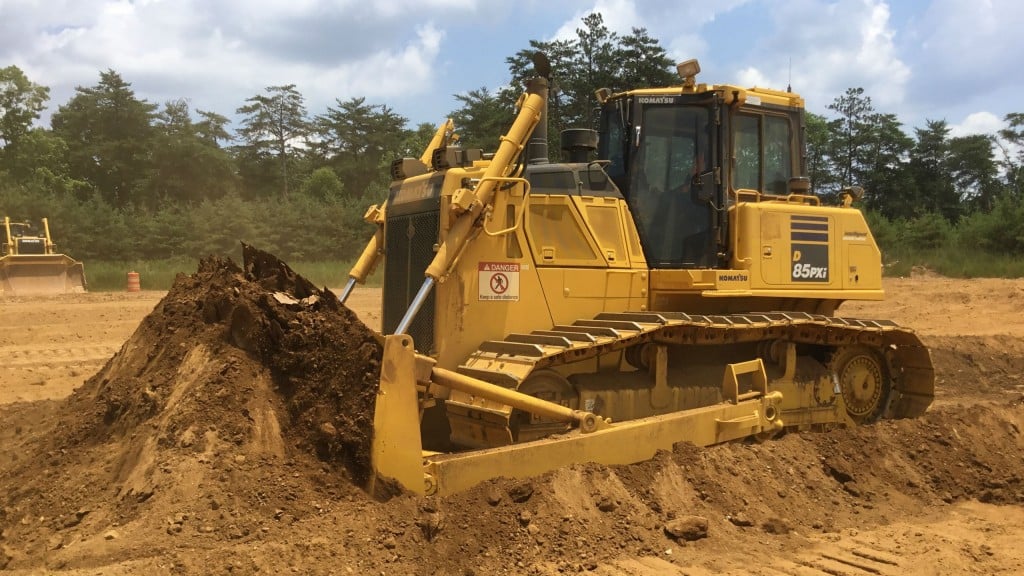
[[22, 229], [682, 156]]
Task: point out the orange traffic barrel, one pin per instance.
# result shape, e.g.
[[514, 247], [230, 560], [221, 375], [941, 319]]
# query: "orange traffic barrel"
[[133, 282]]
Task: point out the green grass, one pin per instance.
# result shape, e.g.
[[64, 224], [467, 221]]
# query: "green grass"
[[953, 262], [153, 275], [333, 274], [159, 274]]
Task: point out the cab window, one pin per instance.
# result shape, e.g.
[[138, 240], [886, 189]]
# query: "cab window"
[[762, 153]]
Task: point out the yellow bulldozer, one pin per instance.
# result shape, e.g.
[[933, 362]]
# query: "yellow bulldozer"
[[673, 281], [30, 263]]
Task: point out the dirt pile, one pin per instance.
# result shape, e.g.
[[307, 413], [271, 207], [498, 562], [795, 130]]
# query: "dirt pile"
[[179, 372], [235, 371]]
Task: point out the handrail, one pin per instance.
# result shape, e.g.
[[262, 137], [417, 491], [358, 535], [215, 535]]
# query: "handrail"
[[519, 220], [759, 196]]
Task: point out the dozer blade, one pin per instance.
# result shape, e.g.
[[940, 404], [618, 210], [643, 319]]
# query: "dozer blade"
[[32, 274], [398, 456], [397, 445]]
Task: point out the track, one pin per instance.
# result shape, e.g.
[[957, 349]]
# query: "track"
[[511, 361], [35, 372]]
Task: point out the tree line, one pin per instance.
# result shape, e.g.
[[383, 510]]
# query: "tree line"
[[121, 178]]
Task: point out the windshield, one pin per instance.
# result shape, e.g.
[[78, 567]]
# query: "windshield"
[[672, 146], [19, 230]]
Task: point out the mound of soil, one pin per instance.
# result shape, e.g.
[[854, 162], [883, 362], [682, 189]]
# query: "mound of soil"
[[235, 370], [178, 371]]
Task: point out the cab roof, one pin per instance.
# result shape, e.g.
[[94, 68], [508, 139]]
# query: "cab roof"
[[754, 96]]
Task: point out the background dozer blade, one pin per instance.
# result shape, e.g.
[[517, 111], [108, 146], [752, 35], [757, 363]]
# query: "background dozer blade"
[[22, 275]]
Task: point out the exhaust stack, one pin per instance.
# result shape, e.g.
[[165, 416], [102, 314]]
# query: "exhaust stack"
[[537, 146]]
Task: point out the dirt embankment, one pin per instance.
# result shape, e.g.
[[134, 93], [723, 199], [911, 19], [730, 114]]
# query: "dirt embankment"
[[229, 435]]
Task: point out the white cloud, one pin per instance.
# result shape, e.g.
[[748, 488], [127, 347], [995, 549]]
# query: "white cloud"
[[675, 23], [620, 16], [977, 123], [682, 26], [965, 33], [219, 53], [820, 47], [831, 47], [752, 77], [384, 75], [970, 50], [943, 59]]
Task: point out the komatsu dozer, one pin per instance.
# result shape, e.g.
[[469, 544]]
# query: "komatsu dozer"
[[673, 281], [30, 263]]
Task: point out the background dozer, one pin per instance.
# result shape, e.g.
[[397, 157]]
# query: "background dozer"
[[30, 263], [673, 281]]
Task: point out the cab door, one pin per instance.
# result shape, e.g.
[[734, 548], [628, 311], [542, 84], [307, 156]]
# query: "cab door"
[[671, 149]]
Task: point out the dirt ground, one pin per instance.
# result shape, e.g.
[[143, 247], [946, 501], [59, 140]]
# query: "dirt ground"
[[216, 429]]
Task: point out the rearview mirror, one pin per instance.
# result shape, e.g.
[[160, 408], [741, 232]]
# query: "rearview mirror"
[[703, 187]]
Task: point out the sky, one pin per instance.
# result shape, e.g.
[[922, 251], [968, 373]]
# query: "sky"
[[952, 60]]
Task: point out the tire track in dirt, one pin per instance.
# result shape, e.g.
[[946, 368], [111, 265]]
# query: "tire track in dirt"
[[50, 357], [49, 372], [51, 344], [965, 538], [845, 559]]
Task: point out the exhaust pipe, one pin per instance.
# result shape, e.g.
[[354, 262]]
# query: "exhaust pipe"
[[537, 146]]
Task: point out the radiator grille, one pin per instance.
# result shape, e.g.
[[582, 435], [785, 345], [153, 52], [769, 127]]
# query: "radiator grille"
[[408, 250], [31, 245]]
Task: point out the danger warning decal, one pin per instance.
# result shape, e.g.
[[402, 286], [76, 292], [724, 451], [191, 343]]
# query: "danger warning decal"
[[499, 281]]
